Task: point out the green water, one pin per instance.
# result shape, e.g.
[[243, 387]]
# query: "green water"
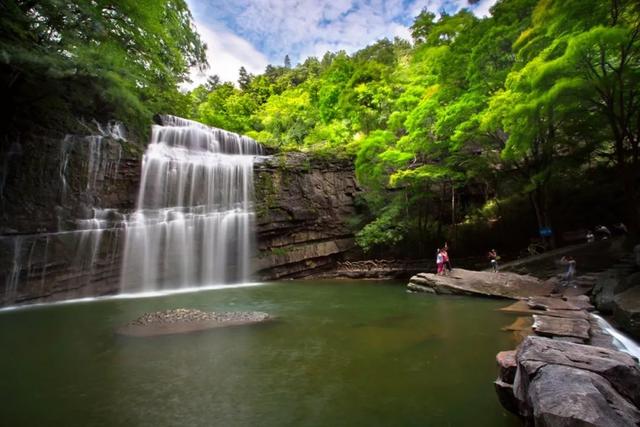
[[341, 354]]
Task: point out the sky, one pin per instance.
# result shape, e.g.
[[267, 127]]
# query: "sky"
[[255, 33]]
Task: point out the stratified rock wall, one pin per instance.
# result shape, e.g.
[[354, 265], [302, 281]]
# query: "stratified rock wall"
[[63, 201], [57, 240], [303, 210]]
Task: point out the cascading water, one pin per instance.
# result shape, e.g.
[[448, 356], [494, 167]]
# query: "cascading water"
[[194, 215]]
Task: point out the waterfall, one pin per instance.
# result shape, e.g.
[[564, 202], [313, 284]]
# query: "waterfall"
[[194, 214], [620, 340]]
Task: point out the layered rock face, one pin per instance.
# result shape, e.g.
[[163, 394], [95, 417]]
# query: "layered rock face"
[[56, 240], [63, 202], [303, 209]]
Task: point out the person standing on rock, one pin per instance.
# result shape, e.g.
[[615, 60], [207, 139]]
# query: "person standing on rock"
[[571, 269], [445, 253], [493, 257], [440, 262]]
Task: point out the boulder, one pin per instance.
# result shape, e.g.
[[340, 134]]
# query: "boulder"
[[559, 383], [626, 310], [603, 292], [565, 396], [618, 368], [480, 283], [182, 320]]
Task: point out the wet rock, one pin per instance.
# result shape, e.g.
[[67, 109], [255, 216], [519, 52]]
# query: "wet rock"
[[581, 301], [506, 396], [619, 368], [547, 303], [562, 327], [565, 396], [522, 307], [507, 363], [560, 383], [603, 292], [183, 320], [626, 310], [481, 283]]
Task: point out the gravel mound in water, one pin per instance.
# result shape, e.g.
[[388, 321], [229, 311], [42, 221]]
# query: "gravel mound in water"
[[183, 320]]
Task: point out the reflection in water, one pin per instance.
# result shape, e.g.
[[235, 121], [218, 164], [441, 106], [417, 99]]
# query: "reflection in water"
[[378, 357]]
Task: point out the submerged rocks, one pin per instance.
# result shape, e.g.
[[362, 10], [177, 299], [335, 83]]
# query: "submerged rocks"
[[559, 383], [482, 283], [182, 320]]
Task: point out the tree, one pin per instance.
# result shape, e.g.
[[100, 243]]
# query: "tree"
[[111, 60], [287, 62], [590, 50], [244, 78]]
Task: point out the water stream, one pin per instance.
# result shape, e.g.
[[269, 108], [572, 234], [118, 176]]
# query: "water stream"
[[620, 340]]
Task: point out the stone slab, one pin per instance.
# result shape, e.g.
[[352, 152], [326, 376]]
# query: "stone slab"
[[558, 326]]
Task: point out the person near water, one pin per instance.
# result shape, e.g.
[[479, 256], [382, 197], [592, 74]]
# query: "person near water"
[[571, 269], [440, 262], [447, 262], [493, 257], [590, 237], [602, 232]]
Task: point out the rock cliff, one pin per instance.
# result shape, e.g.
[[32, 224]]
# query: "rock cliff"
[[62, 201], [303, 209]]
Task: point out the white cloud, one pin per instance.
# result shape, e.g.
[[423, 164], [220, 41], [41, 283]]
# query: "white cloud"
[[226, 53], [300, 27], [254, 32], [482, 8]]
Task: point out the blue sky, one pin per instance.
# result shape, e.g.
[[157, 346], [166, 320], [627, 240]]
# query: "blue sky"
[[254, 33]]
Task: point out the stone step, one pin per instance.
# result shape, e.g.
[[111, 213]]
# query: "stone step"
[[561, 327]]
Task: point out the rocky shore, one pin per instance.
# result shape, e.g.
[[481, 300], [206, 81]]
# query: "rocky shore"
[[566, 370], [183, 320]]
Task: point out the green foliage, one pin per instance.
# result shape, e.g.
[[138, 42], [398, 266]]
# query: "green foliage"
[[119, 59], [385, 231]]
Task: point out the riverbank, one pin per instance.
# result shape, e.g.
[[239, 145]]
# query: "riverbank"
[[568, 368]]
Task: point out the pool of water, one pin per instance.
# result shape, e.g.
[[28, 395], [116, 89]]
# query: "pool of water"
[[340, 354]]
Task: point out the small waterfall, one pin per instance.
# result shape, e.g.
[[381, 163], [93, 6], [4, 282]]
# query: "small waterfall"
[[74, 256], [621, 341], [194, 212]]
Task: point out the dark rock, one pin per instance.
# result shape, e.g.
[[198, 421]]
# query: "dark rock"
[[506, 396], [507, 364], [626, 311]]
